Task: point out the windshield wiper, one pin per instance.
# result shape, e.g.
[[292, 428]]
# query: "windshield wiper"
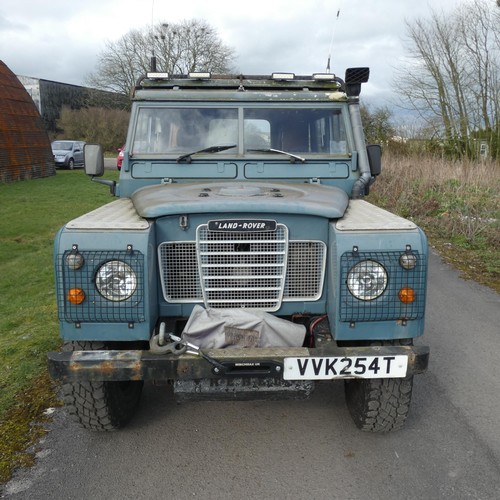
[[212, 149], [271, 150]]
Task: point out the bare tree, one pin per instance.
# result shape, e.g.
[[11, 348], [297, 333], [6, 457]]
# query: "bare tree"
[[454, 74], [178, 49], [377, 124]]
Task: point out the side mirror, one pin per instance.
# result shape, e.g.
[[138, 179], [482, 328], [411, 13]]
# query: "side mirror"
[[93, 160], [374, 152]]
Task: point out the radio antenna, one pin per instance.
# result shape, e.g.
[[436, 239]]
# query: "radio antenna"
[[331, 42], [152, 64]]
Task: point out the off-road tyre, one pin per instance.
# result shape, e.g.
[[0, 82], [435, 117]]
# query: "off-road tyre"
[[100, 406], [380, 405]]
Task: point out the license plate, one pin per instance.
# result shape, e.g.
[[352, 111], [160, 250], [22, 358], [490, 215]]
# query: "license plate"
[[326, 368]]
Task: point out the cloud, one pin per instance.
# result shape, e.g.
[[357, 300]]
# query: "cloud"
[[6, 25], [61, 41]]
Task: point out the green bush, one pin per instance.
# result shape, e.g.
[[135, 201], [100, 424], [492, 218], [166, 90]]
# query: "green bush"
[[107, 127]]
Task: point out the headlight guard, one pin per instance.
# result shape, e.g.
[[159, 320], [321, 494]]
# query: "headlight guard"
[[371, 293]]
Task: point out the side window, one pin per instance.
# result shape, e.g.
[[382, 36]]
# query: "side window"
[[143, 132], [156, 132], [338, 140], [327, 133], [257, 134]]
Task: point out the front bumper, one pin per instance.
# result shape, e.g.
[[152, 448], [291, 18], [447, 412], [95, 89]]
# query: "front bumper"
[[122, 365]]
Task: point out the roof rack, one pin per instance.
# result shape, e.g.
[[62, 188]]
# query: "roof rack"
[[354, 77], [277, 81]]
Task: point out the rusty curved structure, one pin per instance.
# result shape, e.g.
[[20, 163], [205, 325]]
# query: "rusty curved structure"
[[25, 151]]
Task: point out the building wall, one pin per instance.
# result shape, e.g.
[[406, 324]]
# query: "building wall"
[[32, 86], [54, 96], [25, 151], [50, 97]]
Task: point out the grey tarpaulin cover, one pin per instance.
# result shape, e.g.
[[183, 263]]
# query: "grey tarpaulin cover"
[[220, 328]]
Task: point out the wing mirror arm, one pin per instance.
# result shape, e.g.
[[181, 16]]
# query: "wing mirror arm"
[[111, 184]]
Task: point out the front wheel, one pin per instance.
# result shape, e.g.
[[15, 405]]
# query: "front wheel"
[[380, 405], [71, 164], [101, 406]]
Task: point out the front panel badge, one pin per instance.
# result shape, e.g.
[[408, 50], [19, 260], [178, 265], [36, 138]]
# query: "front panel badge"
[[242, 225]]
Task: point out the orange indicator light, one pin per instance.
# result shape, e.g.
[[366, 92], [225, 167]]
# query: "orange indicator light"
[[407, 295], [76, 296]]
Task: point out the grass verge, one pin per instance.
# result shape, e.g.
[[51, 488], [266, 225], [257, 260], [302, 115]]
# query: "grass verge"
[[31, 212]]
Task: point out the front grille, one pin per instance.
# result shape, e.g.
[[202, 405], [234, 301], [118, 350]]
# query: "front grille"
[[179, 275], [305, 270], [253, 270], [387, 306], [242, 269]]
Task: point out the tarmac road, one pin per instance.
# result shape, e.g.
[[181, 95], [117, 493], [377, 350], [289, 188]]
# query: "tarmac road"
[[449, 449]]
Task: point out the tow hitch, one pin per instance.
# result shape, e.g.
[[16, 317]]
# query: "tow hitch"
[[178, 346]]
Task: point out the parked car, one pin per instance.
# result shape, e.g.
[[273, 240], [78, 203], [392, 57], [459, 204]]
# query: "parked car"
[[119, 159], [68, 154]]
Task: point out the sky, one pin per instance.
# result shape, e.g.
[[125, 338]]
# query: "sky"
[[61, 40]]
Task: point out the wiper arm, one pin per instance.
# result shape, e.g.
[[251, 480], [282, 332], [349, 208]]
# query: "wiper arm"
[[212, 149], [271, 150]]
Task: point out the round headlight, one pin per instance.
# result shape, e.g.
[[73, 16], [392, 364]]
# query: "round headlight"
[[367, 280], [115, 280]]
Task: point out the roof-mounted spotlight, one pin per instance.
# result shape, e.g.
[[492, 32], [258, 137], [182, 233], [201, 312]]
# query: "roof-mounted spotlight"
[[324, 76], [157, 76], [198, 75], [283, 76]]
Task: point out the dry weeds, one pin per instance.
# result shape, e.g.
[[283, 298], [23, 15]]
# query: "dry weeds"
[[456, 203]]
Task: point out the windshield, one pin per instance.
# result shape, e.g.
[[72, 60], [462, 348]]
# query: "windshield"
[[297, 130], [62, 146]]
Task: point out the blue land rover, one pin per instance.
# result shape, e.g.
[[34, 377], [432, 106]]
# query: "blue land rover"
[[240, 259]]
